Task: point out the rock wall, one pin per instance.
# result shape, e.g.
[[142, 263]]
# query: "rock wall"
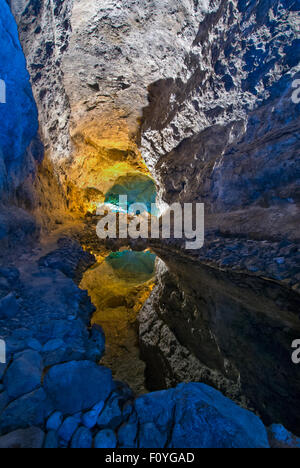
[[18, 130], [228, 134], [230, 331], [214, 79], [20, 146]]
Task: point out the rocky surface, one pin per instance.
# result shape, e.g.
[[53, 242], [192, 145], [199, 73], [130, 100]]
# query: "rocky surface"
[[228, 330], [53, 394], [20, 147], [220, 126]]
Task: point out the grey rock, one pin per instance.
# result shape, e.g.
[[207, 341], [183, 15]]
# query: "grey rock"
[[31, 438]]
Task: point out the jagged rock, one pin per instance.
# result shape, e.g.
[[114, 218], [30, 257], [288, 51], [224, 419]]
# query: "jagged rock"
[[24, 374], [105, 439], [77, 386], [31, 438]]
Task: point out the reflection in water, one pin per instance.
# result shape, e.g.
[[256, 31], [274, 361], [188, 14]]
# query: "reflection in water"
[[228, 330], [118, 287]]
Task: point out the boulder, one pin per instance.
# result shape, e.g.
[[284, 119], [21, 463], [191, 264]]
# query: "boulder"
[[31, 438], [105, 439], [9, 306], [55, 421], [51, 440], [29, 410], [197, 416], [82, 439], [279, 437], [68, 428], [90, 418], [111, 416], [77, 386], [24, 375]]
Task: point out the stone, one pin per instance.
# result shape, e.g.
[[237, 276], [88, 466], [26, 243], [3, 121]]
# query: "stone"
[[55, 421], [77, 386], [89, 419], [51, 440], [29, 410], [9, 306], [82, 439], [105, 439], [111, 415], [53, 345], [217, 422], [127, 435], [24, 374], [279, 437], [31, 438], [151, 437], [68, 428]]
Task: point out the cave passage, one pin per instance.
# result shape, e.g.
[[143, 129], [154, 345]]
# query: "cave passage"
[[119, 286], [137, 187]]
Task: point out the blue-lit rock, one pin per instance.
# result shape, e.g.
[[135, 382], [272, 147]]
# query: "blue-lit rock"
[[77, 386], [197, 416], [24, 375], [105, 439], [19, 123]]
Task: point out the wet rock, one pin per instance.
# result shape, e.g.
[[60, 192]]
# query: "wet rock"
[[82, 439], [105, 439], [77, 386], [24, 374], [31, 438], [279, 437]]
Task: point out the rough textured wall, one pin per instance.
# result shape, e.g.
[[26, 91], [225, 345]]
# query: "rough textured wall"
[[220, 125], [229, 135], [18, 115], [231, 331]]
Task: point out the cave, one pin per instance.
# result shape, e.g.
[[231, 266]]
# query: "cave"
[[119, 113]]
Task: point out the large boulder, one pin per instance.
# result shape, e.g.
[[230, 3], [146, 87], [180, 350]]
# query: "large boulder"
[[29, 410], [77, 386], [196, 416], [24, 375]]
